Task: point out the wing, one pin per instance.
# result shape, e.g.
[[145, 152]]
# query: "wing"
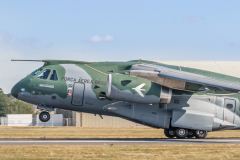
[[175, 78], [199, 79]]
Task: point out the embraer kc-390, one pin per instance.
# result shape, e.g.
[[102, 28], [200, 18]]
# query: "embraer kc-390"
[[185, 102]]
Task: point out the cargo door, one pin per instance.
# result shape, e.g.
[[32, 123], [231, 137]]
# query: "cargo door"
[[229, 109], [78, 94]]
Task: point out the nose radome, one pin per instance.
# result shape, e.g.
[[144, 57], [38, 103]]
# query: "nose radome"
[[15, 91]]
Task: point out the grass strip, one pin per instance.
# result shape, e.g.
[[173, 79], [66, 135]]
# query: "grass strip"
[[122, 152], [97, 132]]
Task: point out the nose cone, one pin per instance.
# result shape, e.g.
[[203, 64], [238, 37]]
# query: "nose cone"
[[15, 91]]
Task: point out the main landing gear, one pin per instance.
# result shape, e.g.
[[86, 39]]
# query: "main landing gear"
[[44, 116], [184, 133], [169, 133]]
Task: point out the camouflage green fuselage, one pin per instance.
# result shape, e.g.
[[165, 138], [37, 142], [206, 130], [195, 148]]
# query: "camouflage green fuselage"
[[92, 76]]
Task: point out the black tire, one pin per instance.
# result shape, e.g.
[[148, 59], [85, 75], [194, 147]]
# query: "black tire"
[[200, 134], [44, 116], [169, 133], [190, 133], [181, 133]]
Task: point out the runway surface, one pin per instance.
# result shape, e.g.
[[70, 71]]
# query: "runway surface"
[[117, 141]]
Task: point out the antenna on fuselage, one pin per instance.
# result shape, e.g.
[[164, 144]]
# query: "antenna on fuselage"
[[27, 60]]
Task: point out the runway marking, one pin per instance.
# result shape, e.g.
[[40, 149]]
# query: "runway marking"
[[110, 141], [45, 141], [210, 140]]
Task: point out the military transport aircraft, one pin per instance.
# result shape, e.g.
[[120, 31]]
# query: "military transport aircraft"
[[185, 102]]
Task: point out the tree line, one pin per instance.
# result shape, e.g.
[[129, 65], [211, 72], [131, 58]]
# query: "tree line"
[[11, 105]]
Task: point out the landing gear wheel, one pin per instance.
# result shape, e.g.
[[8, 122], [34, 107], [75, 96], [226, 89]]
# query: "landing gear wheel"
[[169, 133], [190, 133], [44, 116], [200, 134], [181, 133]]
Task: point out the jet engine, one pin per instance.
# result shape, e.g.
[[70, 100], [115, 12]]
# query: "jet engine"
[[137, 90]]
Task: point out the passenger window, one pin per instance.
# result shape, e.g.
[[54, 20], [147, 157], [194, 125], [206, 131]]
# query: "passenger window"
[[229, 106], [44, 74], [54, 76], [36, 71]]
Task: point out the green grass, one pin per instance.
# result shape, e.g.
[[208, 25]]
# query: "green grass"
[[111, 152], [97, 132], [174, 152]]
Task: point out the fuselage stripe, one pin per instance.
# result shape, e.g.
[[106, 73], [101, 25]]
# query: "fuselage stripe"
[[95, 69]]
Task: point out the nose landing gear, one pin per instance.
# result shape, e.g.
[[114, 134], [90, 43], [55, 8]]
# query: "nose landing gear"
[[44, 116]]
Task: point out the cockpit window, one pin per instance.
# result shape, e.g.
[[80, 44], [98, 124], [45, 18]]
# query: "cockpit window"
[[54, 76], [36, 71], [44, 74]]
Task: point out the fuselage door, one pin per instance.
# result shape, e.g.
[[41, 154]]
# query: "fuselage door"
[[229, 110], [78, 94]]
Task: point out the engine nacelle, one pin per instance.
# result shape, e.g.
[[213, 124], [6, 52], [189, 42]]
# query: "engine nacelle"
[[136, 90]]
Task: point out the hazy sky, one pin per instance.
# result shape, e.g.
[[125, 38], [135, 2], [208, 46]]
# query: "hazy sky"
[[115, 30]]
